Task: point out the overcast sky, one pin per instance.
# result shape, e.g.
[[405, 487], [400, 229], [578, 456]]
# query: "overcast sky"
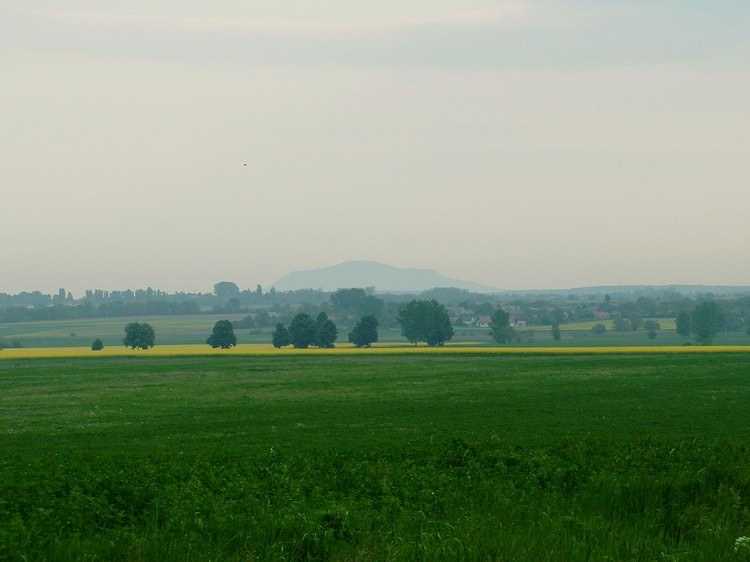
[[518, 144]]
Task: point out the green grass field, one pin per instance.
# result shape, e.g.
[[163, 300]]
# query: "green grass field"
[[473, 457], [181, 329]]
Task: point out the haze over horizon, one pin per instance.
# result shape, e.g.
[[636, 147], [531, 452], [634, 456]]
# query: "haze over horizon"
[[519, 144]]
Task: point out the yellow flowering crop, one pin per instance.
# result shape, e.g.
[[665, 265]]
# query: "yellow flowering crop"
[[344, 349]]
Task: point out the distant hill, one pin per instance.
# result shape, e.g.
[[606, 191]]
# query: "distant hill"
[[631, 291], [385, 278]]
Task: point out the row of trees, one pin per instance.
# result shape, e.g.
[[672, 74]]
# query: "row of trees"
[[420, 320], [141, 335], [704, 322], [89, 310], [304, 332]]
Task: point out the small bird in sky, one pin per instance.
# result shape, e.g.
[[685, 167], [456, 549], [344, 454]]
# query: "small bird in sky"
[[245, 165]]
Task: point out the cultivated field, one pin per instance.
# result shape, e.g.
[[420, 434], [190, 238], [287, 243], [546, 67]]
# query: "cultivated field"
[[193, 330], [182, 329], [375, 457], [261, 350]]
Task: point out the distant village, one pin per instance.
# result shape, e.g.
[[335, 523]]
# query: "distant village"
[[461, 316]]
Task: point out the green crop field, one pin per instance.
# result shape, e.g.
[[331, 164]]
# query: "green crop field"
[[383, 457], [180, 329], [194, 329]]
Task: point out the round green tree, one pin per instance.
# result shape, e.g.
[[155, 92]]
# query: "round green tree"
[[222, 336], [280, 336], [425, 321], [139, 335], [556, 334], [706, 321], [500, 328], [325, 331], [302, 331], [365, 333]]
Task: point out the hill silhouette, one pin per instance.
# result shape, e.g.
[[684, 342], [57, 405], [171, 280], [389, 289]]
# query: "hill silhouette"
[[385, 278]]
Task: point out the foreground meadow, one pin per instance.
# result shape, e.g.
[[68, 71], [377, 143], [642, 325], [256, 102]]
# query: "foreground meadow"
[[375, 457]]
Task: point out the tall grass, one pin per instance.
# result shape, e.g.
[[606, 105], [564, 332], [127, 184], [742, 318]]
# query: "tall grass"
[[460, 501], [375, 458]]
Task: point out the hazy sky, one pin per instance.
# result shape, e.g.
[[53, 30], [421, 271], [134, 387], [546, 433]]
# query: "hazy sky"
[[519, 143]]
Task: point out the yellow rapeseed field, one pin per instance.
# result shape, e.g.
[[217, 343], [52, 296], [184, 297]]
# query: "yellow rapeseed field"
[[390, 349]]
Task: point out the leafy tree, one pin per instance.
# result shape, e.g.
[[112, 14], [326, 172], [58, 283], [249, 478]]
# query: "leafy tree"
[[500, 329], [652, 334], [365, 333], [357, 302], [556, 335], [226, 289], [683, 324], [263, 319], [733, 322], [484, 309], [302, 331], [635, 322], [706, 321], [645, 306], [233, 305], [412, 318], [280, 336], [139, 335], [599, 329], [558, 315], [246, 322], [325, 331], [97, 345], [651, 325], [621, 325], [425, 321], [222, 335]]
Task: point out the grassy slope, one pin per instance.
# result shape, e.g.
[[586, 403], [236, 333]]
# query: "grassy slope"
[[388, 457]]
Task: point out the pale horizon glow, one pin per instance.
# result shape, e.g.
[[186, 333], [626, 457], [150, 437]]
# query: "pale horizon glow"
[[518, 144]]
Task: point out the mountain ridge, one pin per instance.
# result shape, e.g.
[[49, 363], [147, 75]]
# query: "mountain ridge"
[[384, 277]]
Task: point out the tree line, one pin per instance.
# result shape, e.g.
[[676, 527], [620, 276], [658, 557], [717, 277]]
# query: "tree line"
[[627, 308], [88, 310], [304, 332], [421, 321]]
